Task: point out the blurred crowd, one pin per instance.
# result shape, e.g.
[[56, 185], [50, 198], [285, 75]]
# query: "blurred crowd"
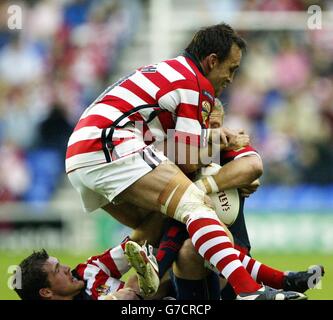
[[49, 72], [283, 93], [68, 50]]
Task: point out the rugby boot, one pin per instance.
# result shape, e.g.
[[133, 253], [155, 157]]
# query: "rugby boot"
[[268, 293], [303, 280]]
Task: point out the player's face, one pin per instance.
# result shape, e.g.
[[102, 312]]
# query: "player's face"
[[62, 284], [222, 73]]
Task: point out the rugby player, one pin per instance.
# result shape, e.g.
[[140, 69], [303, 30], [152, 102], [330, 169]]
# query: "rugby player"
[[244, 174], [110, 160], [192, 280], [43, 277]]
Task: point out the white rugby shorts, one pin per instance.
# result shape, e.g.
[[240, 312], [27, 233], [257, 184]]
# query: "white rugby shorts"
[[99, 184]]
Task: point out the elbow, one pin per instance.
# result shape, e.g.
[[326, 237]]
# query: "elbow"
[[256, 167]]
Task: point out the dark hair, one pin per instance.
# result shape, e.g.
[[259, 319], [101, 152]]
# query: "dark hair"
[[216, 39], [34, 277]]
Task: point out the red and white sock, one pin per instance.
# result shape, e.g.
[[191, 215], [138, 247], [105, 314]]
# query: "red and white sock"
[[262, 273], [211, 241]]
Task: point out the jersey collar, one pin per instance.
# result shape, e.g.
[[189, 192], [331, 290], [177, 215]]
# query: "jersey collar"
[[195, 64]]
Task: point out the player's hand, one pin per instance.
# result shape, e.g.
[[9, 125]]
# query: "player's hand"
[[217, 115], [236, 139], [123, 294], [246, 191], [218, 137]]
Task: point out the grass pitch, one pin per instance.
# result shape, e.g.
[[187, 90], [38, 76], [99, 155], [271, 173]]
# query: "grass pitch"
[[276, 260]]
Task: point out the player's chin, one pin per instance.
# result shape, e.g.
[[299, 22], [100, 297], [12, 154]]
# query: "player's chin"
[[80, 284], [77, 283]]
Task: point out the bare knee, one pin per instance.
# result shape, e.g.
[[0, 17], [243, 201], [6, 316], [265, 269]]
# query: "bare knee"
[[189, 264], [188, 252]]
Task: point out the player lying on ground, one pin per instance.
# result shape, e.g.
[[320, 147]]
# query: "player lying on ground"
[[44, 278], [109, 158]]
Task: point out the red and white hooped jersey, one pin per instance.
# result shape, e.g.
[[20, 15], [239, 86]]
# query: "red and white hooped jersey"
[[172, 94], [102, 273]]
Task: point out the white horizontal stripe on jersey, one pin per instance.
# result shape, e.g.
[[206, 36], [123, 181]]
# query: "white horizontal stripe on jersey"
[[127, 96], [172, 99], [87, 133], [255, 270], [118, 257], [183, 61], [168, 72], [144, 83], [106, 111], [218, 256], [89, 275], [113, 285], [188, 125], [230, 268], [212, 242]]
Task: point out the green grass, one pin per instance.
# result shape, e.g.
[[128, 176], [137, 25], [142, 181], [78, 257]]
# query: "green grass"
[[276, 260], [302, 262]]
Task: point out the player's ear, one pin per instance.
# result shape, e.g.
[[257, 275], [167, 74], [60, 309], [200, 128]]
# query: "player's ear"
[[212, 60], [209, 62], [45, 293]]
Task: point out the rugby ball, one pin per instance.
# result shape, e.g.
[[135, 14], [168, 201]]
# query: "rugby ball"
[[226, 202]]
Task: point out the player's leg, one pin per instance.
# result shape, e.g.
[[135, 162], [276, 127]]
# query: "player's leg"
[[295, 281], [298, 281], [242, 243], [151, 229], [191, 280], [127, 214], [163, 187], [143, 261], [157, 190], [172, 240]]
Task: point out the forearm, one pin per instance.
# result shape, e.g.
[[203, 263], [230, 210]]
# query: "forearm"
[[239, 173]]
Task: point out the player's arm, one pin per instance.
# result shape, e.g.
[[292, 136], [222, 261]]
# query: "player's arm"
[[240, 169], [244, 165], [122, 294], [130, 291], [239, 173], [111, 263], [99, 282], [192, 145]]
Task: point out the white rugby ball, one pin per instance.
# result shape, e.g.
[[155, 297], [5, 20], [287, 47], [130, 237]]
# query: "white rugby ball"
[[226, 203]]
